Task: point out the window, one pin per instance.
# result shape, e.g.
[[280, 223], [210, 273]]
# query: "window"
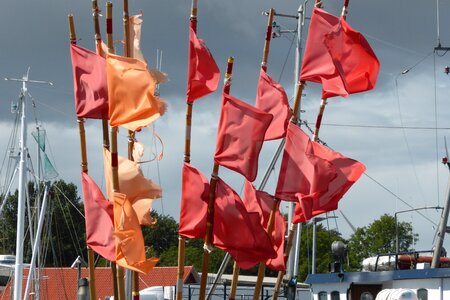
[[335, 295], [422, 294], [323, 296], [366, 296]]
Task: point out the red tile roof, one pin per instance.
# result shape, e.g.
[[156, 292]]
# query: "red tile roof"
[[61, 283]]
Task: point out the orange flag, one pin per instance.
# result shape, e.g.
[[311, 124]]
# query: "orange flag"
[[131, 89], [89, 83], [271, 98], [130, 250], [140, 191], [99, 219], [238, 231], [261, 202], [194, 203], [240, 136]]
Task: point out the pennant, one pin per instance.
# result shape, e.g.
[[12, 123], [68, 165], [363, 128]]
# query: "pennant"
[[131, 92], [194, 203], [99, 219], [271, 98], [49, 170], [348, 172], [338, 57], [302, 172], [130, 249], [237, 231], [89, 83], [135, 37], [139, 190], [240, 136], [261, 202], [203, 73]]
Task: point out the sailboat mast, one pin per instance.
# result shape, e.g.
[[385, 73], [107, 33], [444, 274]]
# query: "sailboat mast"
[[18, 269]]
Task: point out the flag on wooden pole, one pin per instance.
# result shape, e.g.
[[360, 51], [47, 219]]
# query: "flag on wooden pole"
[[338, 57], [240, 136], [89, 83], [271, 98], [99, 219], [203, 73], [131, 88]]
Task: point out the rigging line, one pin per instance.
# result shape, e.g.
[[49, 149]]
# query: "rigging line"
[[54, 109], [391, 44], [157, 168], [285, 60], [435, 132], [382, 126], [70, 202], [374, 180], [408, 148]]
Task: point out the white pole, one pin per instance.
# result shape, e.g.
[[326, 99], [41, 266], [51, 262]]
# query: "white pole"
[[37, 240], [18, 270]]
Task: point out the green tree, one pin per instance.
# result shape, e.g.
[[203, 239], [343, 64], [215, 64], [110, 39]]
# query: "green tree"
[[162, 235], [379, 237]]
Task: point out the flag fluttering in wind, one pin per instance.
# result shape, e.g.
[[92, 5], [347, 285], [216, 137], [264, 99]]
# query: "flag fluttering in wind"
[[262, 203], [99, 219], [130, 249], [301, 171], [271, 98], [203, 73], [135, 37], [338, 57], [237, 231], [240, 136], [89, 83], [131, 88], [139, 190], [194, 203], [348, 172], [314, 175], [49, 170]]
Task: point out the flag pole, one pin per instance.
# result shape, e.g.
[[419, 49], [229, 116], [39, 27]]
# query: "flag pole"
[[187, 159], [84, 169], [207, 247], [110, 43]]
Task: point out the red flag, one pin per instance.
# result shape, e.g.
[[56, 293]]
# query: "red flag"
[[272, 99], [89, 83], [99, 219], [338, 57], [301, 171], [194, 203], [262, 203], [203, 73], [348, 172], [240, 136], [237, 231]]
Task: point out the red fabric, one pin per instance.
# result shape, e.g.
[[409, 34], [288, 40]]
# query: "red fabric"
[[338, 57], [99, 219], [262, 203], [240, 136], [203, 73], [301, 171], [237, 231], [194, 203], [272, 99], [348, 172], [89, 83]]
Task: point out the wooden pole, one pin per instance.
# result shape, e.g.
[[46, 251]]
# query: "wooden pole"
[[287, 250], [187, 159], [84, 169], [207, 247], [110, 43]]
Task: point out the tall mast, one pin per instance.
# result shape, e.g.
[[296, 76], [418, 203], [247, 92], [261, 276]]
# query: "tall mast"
[[18, 269]]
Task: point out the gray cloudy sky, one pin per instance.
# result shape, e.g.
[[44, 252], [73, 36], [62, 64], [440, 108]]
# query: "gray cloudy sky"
[[401, 32]]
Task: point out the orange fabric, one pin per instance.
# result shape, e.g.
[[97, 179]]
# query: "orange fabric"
[[139, 190], [130, 249], [131, 88], [135, 37]]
